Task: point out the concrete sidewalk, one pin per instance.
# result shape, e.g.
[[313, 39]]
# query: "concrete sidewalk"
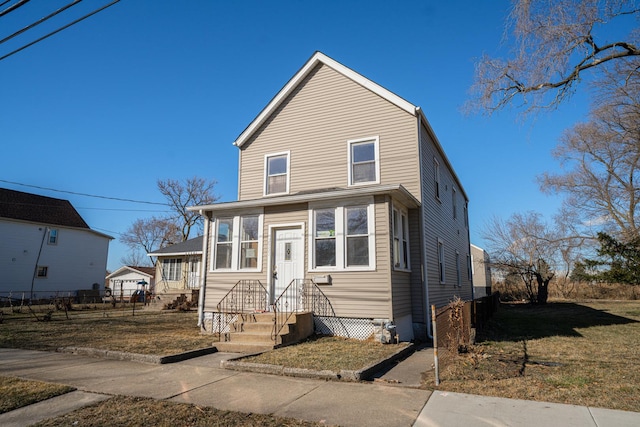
[[201, 381]]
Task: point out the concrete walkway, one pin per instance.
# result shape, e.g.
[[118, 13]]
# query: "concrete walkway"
[[392, 400]]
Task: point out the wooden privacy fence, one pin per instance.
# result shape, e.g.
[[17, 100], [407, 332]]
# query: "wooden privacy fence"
[[455, 325]]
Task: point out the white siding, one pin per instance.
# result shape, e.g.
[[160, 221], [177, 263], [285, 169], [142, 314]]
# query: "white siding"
[[77, 261]]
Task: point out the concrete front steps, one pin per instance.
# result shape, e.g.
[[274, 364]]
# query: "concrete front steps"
[[252, 333], [172, 297]]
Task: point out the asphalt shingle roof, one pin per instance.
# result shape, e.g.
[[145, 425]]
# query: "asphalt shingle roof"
[[40, 209], [188, 246]]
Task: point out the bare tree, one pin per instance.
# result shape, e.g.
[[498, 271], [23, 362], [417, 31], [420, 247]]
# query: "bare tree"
[[151, 234], [601, 158], [136, 258], [526, 246], [180, 195], [554, 44]]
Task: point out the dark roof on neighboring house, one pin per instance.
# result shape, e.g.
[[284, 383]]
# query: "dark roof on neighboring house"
[[41, 209], [151, 271], [191, 246]]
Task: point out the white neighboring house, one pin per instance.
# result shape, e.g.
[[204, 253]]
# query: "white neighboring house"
[[481, 271], [47, 247], [127, 279]]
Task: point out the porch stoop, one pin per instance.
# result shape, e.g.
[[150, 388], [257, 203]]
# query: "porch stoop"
[[172, 298], [252, 333]]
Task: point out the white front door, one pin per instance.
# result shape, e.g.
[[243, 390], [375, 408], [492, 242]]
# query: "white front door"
[[288, 256]]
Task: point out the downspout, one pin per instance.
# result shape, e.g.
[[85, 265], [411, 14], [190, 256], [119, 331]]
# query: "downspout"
[[35, 268], [203, 270], [425, 280]]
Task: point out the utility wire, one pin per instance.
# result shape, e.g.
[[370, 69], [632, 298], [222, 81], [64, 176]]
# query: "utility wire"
[[84, 194], [13, 7], [58, 30], [40, 21]]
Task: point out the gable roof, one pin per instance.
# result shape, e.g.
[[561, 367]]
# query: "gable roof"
[[145, 271], [40, 209], [320, 58], [191, 247]]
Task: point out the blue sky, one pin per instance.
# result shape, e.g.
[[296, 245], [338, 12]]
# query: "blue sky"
[[149, 90]]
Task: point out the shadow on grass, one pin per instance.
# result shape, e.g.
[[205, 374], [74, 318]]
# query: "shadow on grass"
[[517, 322]]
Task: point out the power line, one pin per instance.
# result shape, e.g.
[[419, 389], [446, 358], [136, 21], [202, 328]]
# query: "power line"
[[84, 194], [58, 30], [13, 7], [125, 210], [40, 21]]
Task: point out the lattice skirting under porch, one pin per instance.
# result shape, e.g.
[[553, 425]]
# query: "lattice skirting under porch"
[[360, 329], [214, 321]]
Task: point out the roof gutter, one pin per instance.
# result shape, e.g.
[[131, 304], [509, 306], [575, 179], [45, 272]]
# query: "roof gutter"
[[396, 190]]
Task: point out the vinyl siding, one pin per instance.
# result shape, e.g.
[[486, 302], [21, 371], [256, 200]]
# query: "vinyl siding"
[[439, 223], [315, 122], [401, 279], [366, 294], [417, 288], [77, 261], [352, 293]]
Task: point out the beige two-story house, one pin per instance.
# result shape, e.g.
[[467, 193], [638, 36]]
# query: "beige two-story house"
[[342, 184]]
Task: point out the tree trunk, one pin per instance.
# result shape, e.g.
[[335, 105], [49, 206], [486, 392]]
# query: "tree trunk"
[[543, 289]]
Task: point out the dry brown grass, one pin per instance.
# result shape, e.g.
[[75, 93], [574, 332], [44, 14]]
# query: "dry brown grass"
[[16, 393], [148, 332], [328, 353], [577, 353], [135, 411]]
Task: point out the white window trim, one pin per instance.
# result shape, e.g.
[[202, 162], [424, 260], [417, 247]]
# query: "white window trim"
[[442, 266], [235, 243], [401, 211], [376, 144], [341, 238], [266, 176]]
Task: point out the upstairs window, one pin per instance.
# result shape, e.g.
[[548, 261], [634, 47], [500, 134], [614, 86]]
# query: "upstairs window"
[[466, 214], [363, 161], [454, 201], [277, 173], [436, 177], [53, 237]]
